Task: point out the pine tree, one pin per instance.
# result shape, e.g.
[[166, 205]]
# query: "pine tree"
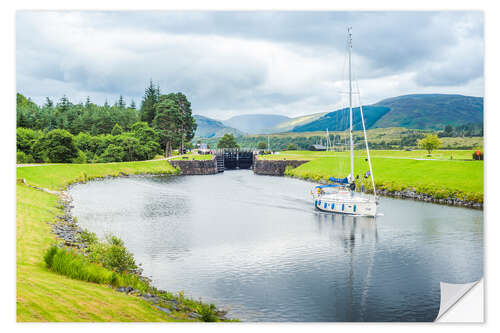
[[48, 103], [64, 104], [151, 97], [121, 102], [132, 105], [87, 102]]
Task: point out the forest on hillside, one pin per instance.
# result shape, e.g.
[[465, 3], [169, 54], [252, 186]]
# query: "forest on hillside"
[[65, 132]]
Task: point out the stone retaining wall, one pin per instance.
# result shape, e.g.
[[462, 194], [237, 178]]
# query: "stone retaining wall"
[[274, 167], [196, 167]]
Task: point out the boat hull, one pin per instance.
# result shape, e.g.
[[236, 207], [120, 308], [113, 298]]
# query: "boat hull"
[[364, 208]]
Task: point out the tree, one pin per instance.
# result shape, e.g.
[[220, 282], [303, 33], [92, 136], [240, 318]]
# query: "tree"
[[167, 121], [151, 97], [429, 143], [132, 105], [187, 122], [262, 145], [58, 146], [121, 103], [113, 153], [117, 130], [448, 130], [227, 141], [48, 103], [292, 146]]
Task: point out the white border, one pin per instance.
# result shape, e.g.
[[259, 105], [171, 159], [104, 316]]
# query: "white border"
[[492, 110]]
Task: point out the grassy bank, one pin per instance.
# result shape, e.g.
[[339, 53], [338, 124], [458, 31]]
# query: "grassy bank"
[[58, 176], [412, 154], [194, 157], [44, 295], [440, 177]]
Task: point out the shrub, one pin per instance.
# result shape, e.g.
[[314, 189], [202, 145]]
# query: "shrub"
[[292, 146], [80, 159], [57, 146], [112, 153], [117, 257], [112, 254], [88, 237], [117, 130], [207, 312], [25, 138], [21, 157]]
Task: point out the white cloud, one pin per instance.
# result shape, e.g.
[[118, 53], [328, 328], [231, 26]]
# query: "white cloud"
[[270, 63]]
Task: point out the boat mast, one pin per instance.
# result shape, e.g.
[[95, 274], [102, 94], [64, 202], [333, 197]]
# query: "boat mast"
[[349, 46]]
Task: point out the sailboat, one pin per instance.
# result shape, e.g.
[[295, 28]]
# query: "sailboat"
[[340, 196]]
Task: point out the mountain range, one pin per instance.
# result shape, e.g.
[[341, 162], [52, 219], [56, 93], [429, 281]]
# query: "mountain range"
[[209, 128], [417, 111]]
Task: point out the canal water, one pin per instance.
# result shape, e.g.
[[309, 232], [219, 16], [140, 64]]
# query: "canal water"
[[256, 245]]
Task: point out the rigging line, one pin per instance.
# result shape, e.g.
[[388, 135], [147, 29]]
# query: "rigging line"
[[366, 142]]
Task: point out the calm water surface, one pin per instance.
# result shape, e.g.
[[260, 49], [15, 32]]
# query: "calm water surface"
[[256, 245]]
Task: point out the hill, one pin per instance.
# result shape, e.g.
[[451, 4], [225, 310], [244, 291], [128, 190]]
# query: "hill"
[[255, 123], [339, 120], [290, 124], [209, 128], [420, 111], [432, 111]]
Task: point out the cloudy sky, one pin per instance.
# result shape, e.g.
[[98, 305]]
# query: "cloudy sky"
[[230, 63]]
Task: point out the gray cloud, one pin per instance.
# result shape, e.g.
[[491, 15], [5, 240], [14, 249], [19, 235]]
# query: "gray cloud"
[[247, 62]]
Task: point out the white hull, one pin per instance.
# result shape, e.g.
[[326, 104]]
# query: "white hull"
[[354, 206]]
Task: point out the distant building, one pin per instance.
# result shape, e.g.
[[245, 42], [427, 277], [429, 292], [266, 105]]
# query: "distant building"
[[317, 148]]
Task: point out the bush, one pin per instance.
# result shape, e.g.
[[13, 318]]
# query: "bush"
[[57, 146], [80, 159], [21, 157], [207, 312], [88, 237], [292, 146], [25, 138], [112, 153], [117, 130], [112, 254]]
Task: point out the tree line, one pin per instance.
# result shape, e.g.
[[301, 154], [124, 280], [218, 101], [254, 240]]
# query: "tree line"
[[87, 132]]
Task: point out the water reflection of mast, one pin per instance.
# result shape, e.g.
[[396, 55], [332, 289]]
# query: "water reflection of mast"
[[350, 227]]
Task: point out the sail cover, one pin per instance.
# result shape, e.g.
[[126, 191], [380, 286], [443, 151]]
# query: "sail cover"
[[339, 180], [325, 186]]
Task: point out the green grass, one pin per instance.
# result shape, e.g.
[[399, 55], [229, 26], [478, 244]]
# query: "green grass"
[[58, 176], [442, 177], [392, 154], [195, 157]]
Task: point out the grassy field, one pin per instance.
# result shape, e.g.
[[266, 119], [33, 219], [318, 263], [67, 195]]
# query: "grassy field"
[[419, 154], [436, 175], [43, 295], [58, 176], [196, 157]]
